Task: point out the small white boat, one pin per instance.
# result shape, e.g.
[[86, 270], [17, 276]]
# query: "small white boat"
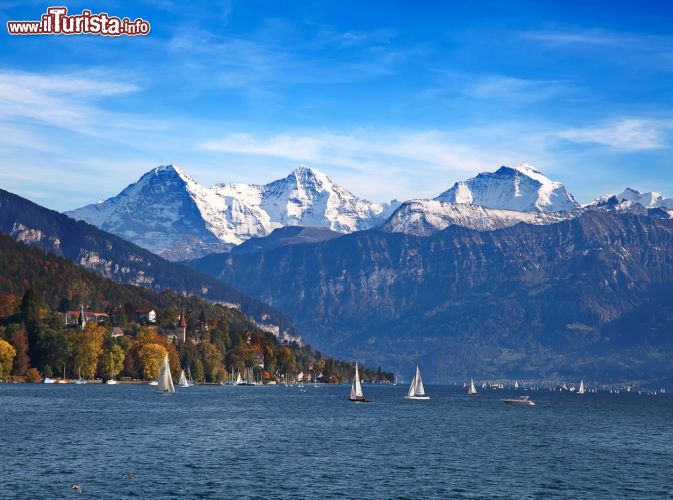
[[356, 395], [472, 391], [153, 382], [165, 382], [516, 384], [111, 382], [416, 389], [48, 380], [183, 380], [521, 400], [581, 390]]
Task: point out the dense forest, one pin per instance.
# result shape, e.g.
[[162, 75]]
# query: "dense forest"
[[37, 288]]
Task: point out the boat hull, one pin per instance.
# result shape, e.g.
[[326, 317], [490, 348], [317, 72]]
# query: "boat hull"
[[416, 397], [360, 400], [517, 402]]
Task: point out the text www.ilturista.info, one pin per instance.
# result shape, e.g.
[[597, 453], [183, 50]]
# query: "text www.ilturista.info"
[[56, 21]]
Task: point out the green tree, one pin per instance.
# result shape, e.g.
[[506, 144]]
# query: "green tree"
[[212, 362], [31, 313], [112, 361], [7, 354], [56, 349]]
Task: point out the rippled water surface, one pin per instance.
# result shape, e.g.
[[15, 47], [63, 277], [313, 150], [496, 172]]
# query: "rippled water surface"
[[278, 442]]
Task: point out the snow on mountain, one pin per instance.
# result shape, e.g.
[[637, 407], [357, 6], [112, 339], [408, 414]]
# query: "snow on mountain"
[[160, 212], [424, 217], [308, 198], [169, 213], [521, 188], [647, 200], [491, 200]]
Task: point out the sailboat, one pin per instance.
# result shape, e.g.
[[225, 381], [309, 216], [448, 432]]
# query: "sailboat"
[[416, 389], [239, 380], [516, 384], [165, 385], [581, 390], [183, 380], [472, 391], [356, 389]]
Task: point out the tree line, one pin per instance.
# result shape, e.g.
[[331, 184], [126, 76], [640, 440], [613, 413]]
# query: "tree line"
[[35, 343]]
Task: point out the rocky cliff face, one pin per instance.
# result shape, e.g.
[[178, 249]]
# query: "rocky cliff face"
[[526, 299]]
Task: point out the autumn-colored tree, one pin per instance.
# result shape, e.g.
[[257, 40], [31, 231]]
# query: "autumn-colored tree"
[[7, 354], [33, 376], [112, 361], [9, 305], [21, 361], [87, 348], [151, 358]]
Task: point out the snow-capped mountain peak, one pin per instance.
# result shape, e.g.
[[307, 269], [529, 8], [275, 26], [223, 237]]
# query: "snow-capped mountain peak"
[[522, 188], [629, 195], [169, 213]]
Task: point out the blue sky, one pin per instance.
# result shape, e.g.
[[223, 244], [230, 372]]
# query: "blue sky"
[[390, 99]]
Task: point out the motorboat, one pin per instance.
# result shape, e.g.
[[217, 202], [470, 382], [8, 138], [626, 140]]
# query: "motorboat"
[[521, 400]]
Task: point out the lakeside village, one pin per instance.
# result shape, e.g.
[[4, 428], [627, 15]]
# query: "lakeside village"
[[129, 344]]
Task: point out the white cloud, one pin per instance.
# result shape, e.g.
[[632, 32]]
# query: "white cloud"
[[627, 134]]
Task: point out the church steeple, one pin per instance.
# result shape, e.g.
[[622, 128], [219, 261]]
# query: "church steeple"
[[81, 321]]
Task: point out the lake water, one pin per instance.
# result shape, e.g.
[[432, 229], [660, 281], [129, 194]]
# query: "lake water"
[[278, 442]]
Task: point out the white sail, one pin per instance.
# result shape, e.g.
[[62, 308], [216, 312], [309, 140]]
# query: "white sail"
[[581, 389], [412, 388], [165, 379], [356, 388], [516, 384], [183, 380], [473, 389], [239, 380], [419, 390], [416, 389]]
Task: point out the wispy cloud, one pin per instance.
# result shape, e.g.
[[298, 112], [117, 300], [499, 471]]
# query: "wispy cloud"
[[587, 37], [386, 163], [499, 86], [59, 100], [627, 134]]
